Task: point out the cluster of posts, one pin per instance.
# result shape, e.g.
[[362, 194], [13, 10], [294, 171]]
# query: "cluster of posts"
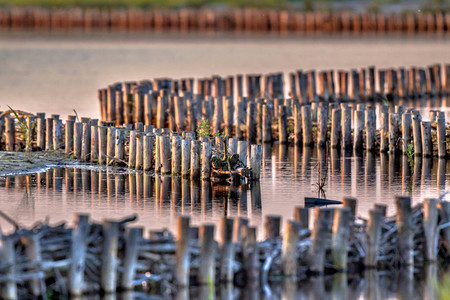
[[238, 20], [112, 256], [136, 146], [352, 110]]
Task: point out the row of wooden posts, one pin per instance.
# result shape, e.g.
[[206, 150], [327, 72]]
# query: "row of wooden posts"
[[135, 146], [238, 20], [110, 256]]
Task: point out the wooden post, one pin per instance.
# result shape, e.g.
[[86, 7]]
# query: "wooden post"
[[335, 128], [301, 216], [49, 134], [339, 242], [307, 126], [34, 256], [405, 230], [255, 161], [161, 113], [282, 125], [319, 232], [132, 150], [132, 239], [226, 250], [251, 122], [110, 261], [346, 127], [351, 204], [182, 255], [94, 142], [103, 137], [185, 157], [207, 261], [358, 132], [165, 154], [272, 227], [8, 257], [417, 133], [148, 151], [176, 155], [441, 141], [242, 151], [267, 124], [322, 125], [370, 119], [77, 139], [298, 124], [444, 214], [111, 145], [86, 142], [430, 222], [251, 255], [78, 255], [373, 235], [384, 133], [69, 136], [289, 252], [206, 160], [427, 144], [158, 153], [119, 143], [195, 159], [40, 125], [393, 132], [139, 151], [57, 133]]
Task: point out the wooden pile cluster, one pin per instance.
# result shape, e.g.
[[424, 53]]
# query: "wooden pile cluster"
[[239, 20], [111, 256], [135, 146], [261, 113]]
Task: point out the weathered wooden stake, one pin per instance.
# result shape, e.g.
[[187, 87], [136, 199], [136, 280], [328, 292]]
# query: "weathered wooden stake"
[[110, 260], [430, 222], [103, 138], [148, 151], [289, 249], [301, 216], [68, 136], [132, 150], [242, 151], [206, 160], [85, 142], [195, 159], [185, 157], [417, 133], [78, 255], [207, 263], [165, 154], [441, 142], [307, 125], [176, 155], [373, 234], [132, 239], [49, 134], [405, 230], [335, 128], [255, 161], [226, 250], [182, 255], [339, 241], [78, 139], [427, 144], [272, 226]]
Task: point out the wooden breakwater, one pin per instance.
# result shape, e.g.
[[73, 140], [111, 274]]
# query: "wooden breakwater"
[[112, 256], [238, 20], [134, 146], [339, 108]]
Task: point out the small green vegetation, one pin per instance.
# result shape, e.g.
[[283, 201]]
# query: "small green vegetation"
[[204, 128]]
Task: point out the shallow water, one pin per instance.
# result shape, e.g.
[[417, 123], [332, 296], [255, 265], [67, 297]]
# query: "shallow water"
[[289, 174], [59, 72]]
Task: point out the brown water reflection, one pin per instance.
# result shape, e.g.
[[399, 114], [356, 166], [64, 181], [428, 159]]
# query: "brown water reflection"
[[289, 174]]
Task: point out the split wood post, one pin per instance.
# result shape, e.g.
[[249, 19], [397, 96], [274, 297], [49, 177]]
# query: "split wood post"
[[301, 216], [8, 257], [57, 133], [358, 131], [255, 161], [370, 119], [176, 155], [226, 250], [427, 144], [393, 132], [316, 252], [251, 122], [132, 239], [417, 133], [289, 249], [228, 116], [179, 112], [282, 125], [307, 126], [207, 259], [158, 153], [119, 143], [218, 114], [86, 142], [148, 99], [298, 124], [33, 254], [195, 159], [267, 124], [69, 136], [149, 139], [405, 230], [132, 148], [78, 255], [384, 133], [406, 132], [240, 118], [161, 113], [94, 142], [77, 139], [272, 227], [251, 254], [182, 255], [339, 241], [335, 127], [165, 154], [373, 235], [40, 126], [185, 157], [49, 134], [110, 261], [206, 160], [242, 151], [346, 127], [103, 138], [430, 222], [444, 214], [441, 142], [110, 145], [322, 125], [139, 151]]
